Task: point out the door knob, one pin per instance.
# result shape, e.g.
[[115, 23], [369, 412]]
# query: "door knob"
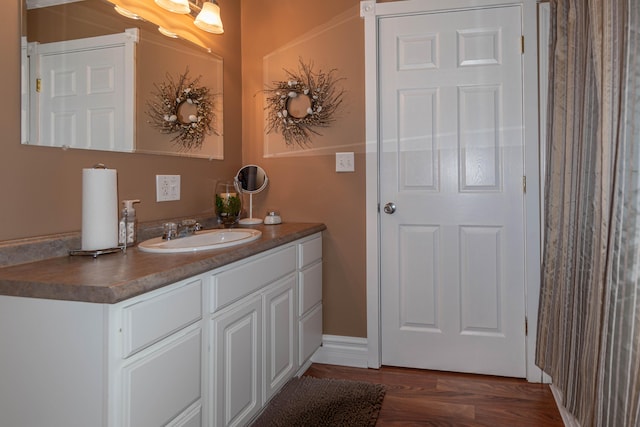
[[390, 208]]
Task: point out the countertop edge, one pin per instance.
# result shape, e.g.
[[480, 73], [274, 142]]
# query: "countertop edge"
[[182, 267]]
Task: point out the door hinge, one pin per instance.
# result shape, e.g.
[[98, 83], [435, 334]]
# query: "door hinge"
[[521, 44], [526, 327], [38, 85], [524, 184]]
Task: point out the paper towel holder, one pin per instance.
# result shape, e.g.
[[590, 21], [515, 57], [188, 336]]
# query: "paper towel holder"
[[95, 252]]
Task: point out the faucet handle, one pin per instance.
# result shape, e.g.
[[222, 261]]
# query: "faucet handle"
[[188, 227], [191, 223]]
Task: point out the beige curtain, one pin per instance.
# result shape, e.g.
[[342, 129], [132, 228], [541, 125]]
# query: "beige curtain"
[[589, 327]]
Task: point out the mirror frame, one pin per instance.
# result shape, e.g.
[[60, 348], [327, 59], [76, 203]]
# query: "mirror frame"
[[259, 171], [213, 149]]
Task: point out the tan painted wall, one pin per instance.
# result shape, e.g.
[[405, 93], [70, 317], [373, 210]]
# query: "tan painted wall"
[[40, 187], [307, 188]]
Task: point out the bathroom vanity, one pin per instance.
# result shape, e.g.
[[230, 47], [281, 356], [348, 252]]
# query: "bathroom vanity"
[[138, 339]]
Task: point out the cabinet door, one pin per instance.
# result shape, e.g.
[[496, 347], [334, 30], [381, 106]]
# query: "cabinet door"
[[237, 363], [310, 288], [280, 362], [310, 334], [163, 384]]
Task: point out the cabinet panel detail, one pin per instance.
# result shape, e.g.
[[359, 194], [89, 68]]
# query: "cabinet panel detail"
[[237, 344], [159, 387], [310, 288], [280, 335], [192, 417], [310, 334]]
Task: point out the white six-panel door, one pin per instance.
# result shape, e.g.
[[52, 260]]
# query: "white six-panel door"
[[84, 92], [451, 162]]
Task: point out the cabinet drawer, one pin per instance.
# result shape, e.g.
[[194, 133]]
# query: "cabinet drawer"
[[233, 284], [150, 320], [310, 334], [309, 252], [310, 288]]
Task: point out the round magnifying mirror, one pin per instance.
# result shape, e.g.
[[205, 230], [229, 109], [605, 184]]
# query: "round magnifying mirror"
[[251, 179]]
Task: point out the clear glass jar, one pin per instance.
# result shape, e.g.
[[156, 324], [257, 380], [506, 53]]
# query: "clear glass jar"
[[228, 204]]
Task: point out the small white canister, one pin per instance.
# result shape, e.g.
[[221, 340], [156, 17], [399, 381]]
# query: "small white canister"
[[272, 218]]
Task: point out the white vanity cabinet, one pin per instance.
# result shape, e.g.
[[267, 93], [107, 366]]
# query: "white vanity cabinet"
[[254, 331], [135, 363], [266, 317], [210, 350]]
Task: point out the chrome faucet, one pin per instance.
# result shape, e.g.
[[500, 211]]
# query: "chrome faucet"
[[187, 227]]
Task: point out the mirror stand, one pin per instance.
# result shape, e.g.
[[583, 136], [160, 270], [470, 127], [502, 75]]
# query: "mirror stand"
[[251, 220]]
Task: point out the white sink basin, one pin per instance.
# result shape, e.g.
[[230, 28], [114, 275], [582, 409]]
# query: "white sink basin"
[[201, 241]]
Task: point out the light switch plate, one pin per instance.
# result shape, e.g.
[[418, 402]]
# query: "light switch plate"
[[167, 188], [345, 162]]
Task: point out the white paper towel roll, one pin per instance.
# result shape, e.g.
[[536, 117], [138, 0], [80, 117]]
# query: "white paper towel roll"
[[99, 209]]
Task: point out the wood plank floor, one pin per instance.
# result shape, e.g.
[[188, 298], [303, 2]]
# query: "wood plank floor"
[[431, 398]]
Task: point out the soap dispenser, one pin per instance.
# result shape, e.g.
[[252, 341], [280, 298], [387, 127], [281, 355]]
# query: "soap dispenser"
[[127, 229]]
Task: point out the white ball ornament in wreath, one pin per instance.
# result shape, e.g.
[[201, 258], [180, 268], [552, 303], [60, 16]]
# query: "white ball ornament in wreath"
[[306, 101], [183, 108]]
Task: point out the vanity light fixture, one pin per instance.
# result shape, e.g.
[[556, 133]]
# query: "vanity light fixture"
[[175, 6], [209, 18], [126, 13], [167, 33]]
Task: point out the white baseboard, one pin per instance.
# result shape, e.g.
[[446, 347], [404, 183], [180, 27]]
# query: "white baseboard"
[[343, 351]]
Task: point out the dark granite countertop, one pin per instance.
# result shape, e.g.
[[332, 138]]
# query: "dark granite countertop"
[[116, 277]]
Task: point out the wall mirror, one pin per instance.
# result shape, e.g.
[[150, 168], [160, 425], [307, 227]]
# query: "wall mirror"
[[58, 35], [251, 179]]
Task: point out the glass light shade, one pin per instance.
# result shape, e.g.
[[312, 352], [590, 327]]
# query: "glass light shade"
[[175, 6], [167, 33], [125, 12], [209, 19]]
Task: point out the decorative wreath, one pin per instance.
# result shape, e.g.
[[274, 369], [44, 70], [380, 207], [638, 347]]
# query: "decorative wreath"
[[324, 99], [164, 111]]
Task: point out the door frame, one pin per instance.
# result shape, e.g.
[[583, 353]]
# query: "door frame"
[[372, 12]]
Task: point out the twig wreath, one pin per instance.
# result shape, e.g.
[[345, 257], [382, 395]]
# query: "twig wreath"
[[305, 101], [184, 108]]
